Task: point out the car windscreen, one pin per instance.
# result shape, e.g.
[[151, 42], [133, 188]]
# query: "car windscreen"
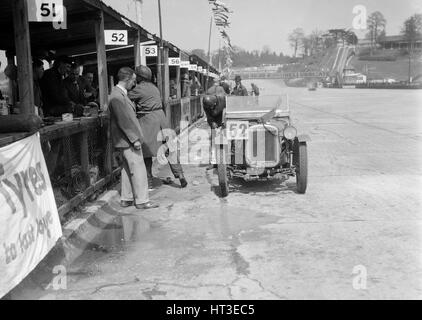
[[258, 104]]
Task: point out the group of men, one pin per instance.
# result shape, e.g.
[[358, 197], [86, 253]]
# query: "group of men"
[[61, 89], [137, 124]]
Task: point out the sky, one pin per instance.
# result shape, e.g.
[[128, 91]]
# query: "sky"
[[256, 23]]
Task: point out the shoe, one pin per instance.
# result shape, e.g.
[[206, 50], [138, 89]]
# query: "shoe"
[[147, 205], [125, 204], [183, 182]]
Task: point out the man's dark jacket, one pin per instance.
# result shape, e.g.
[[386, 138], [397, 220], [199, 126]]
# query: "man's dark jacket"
[[74, 91], [56, 100]]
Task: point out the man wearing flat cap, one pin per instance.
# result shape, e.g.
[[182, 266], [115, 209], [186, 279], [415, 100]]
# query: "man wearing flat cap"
[[152, 120], [55, 98], [239, 89]]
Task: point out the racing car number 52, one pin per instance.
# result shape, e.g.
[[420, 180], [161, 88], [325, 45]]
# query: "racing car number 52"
[[237, 130]]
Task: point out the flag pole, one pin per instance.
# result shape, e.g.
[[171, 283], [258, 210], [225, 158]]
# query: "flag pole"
[[209, 56]]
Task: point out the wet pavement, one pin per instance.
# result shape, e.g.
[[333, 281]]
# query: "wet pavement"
[[264, 241]]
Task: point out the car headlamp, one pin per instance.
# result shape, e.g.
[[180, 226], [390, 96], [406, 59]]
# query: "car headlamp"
[[279, 113], [290, 132]]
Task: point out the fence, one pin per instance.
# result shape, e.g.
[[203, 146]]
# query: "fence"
[[79, 160], [187, 109]]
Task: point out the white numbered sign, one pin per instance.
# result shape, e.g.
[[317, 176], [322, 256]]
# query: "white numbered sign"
[[193, 67], [199, 69], [45, 10], [237, 130], [115, 37], [174, 61], [150, 51], [184, 64]]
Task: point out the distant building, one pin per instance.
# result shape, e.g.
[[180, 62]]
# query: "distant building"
[[351, 77], [398, 42]]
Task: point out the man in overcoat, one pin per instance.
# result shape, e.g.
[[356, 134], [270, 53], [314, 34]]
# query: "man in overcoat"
[[152, 120]]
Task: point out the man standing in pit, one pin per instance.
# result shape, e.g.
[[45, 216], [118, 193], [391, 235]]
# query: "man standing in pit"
[[152, 120], [127, 137], [239, 89]]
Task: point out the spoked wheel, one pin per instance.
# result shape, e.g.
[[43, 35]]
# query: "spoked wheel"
[[301, 162], [222, 170]]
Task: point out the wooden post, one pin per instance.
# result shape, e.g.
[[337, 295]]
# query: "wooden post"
[[23, 56], [178, 83], [84, 152], [11, 83], [103, 85], [101, 61], [166, 80], [159, 73], [137, 48]]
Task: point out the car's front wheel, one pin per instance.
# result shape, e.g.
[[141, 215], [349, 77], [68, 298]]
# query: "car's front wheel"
[[222, 171], [301, 162]]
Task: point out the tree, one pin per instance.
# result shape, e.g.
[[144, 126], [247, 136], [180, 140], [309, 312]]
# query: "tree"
[[200, 53], [296, 38], [376, 26], [412, 31], [412, 28], [351, 37], [316, 40]]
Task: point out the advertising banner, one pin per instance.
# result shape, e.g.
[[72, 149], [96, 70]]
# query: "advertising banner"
[[29, 221]]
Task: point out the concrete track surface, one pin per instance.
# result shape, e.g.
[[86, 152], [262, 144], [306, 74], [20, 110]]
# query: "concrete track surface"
[[355, 234]]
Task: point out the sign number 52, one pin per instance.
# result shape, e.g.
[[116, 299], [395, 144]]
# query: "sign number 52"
[[116, 37], [237, 130]]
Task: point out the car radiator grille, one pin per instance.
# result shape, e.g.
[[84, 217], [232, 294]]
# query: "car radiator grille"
[[262, 146]]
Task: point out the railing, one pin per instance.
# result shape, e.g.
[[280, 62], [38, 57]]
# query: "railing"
[[283, 75], [188, 109], [80, 158]]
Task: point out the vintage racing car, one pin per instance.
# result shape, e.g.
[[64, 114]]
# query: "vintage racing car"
[[256, 140]]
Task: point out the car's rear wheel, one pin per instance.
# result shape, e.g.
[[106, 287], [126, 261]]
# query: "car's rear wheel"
[[301, 157], [222, 171]]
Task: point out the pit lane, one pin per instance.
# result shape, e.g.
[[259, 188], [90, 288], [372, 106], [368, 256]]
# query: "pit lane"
[[361, 216]]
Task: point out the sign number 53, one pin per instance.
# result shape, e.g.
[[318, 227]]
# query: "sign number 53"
[[237, 130]]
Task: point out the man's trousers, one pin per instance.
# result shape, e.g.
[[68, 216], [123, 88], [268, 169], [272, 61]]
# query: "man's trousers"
[[134, 177]]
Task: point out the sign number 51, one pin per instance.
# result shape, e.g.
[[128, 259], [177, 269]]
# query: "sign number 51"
[[45, 10]]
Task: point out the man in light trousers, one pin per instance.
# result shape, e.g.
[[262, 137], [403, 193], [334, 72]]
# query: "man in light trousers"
[[127, 137]]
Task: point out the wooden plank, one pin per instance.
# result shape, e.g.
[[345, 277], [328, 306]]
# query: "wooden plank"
[[160, 71], [166, 80], [78, 199], [137, 48], [178, 83], [101, 61], [103, 83], [84, 152], [8, 138], [12, 89], [66, 129], [23, 56]]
